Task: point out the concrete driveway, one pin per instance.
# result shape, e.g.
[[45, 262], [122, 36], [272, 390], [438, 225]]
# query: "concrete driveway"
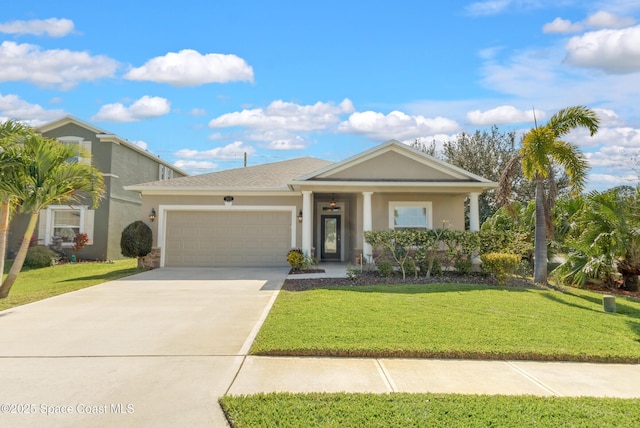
[[153, 349]]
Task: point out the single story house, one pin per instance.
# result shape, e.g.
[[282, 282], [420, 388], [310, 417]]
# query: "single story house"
[[253, 216]]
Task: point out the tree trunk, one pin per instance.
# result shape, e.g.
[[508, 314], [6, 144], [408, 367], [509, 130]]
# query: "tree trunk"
[[19, 260], [4, 231], [540, 250]]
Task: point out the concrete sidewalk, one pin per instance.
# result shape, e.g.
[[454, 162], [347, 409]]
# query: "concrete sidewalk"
[[293, 374]]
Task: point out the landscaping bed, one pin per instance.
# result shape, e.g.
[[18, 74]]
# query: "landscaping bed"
[[372, 278]]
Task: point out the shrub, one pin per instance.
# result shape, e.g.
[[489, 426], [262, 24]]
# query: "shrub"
[[409, 267], [296, 259], [39, 257], [463, 266], [353, 271], [500, 265], [80, 241], [385, 268], [136, 240]]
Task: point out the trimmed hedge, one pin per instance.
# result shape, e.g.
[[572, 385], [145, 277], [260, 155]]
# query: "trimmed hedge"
[[39, 257], [500, 265]]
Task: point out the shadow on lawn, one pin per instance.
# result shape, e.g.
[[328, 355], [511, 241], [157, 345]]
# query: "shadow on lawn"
[[621, 308]]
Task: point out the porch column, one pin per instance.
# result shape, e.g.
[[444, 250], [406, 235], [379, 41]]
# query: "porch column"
[[366, 222], [307, 221], [474, 212]]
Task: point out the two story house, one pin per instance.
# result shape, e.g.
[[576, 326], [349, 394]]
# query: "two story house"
[[122, 163]]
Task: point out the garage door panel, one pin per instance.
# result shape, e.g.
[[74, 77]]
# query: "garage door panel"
[[214, 238]]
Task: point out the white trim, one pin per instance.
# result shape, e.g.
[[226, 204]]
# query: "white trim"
[[48, 232], [163, 209], [424, 204]]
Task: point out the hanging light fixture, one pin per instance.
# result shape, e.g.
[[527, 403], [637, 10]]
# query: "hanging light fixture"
[[152, 215], [300, 217], [332, 204]]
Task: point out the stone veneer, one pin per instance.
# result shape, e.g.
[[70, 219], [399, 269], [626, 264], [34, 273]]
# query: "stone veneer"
[[151, 260]]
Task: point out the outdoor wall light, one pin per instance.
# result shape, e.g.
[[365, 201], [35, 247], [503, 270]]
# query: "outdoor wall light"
[[152, 215], [300, 217], [332, 204]]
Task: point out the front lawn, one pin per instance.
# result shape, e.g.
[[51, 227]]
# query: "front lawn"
[[427, 410], [38, 284], [451, 321]]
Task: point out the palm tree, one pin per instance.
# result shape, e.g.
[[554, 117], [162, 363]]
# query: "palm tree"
[[607, 239], [10, 133], [541, 150], [45, 173]]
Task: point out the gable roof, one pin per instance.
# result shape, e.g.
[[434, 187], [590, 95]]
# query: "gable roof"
[[422, 167], [270, 176], [103, 135]]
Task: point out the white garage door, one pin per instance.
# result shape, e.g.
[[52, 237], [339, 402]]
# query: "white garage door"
[[227, 238]]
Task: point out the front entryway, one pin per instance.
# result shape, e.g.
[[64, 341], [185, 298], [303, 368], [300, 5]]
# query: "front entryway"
[[330, 237]]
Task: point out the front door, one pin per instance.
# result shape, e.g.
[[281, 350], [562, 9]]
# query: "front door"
[[330, 229]]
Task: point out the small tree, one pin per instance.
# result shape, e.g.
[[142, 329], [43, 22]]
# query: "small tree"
[[136, 241]]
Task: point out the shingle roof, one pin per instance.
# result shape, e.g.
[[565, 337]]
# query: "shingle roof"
[[274, 175]]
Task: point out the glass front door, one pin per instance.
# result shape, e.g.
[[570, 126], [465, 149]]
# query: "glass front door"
[[330, 225]]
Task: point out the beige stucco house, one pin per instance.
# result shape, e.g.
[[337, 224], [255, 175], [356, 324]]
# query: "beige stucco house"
[[253, 216]]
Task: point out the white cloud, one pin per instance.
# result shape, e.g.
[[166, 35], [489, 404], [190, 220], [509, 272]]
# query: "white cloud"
[[608, 118], [503, 115], [623, 136], [195, 167], [603, 182], [142, 144], [230, 151], [563, 26], [198, 112], [603, 19], [191, 68], [612, 51], [53, 27], [396, 125], [145, 108], [294, 143], [15, 108], [286, 116], [56, 68], [491, 7], [597, 21]]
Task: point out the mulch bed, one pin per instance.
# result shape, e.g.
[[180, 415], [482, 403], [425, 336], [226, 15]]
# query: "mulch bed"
[[371, 278]]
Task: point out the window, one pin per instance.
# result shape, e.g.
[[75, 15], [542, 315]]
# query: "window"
[[66, 224], [86, 145], [409, 215], [166, 173]]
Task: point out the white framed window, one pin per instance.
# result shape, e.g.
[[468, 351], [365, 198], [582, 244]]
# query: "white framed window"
[[86, 145], [165, 173], [65, 222], [410, 215]]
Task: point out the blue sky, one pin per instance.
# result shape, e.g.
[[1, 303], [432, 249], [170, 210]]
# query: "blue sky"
[[201, 83]]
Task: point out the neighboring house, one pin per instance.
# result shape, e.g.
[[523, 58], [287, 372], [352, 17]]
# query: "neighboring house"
[[253, 216], [122, 163]]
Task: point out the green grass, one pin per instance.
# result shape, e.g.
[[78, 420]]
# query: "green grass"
[[427, 410], [451, 321], [37, 284]]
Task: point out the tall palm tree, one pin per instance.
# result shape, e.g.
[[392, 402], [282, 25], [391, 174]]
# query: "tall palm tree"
[[542, 148], [10, 133], [45, 173]]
